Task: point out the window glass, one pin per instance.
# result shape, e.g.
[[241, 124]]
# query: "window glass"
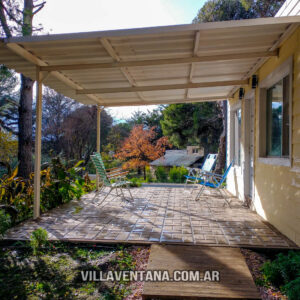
[[278, 119]]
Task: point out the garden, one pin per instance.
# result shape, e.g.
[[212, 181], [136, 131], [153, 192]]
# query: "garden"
[[43, 269], [61, 182]]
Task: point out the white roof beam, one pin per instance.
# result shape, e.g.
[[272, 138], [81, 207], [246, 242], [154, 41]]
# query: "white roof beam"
[[162, 87], [168, 61]]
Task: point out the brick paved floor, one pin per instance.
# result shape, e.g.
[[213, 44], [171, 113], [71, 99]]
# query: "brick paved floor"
[[158, 214]]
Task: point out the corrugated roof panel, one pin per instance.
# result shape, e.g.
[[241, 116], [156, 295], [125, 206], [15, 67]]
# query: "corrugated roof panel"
[[148, 44]]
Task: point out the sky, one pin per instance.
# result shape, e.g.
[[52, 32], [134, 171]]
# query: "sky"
[[63, 16]]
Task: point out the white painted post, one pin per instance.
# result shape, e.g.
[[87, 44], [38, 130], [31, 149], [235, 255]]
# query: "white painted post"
[[38, 140], [98, 140]]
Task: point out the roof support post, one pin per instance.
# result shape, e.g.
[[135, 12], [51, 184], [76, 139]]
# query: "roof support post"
[[98, 142], [38, 142]]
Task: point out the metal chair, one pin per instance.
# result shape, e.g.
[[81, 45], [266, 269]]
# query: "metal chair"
[[214, 181], [195, 174], [113, 180]]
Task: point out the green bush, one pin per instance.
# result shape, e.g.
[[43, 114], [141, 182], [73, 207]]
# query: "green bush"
[[149, 177], [16, 193], [292, 289], [161, 174], [284, 272], [38, 239], [136, 182], [5, 222], [176, 174], [60, 183]]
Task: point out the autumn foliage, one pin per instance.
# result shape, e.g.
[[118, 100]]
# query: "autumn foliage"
[[141, 147]]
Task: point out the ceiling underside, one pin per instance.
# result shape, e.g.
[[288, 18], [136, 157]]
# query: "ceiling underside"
[[160, 65]]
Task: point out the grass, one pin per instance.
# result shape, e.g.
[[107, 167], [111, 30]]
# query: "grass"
[[56, 272]]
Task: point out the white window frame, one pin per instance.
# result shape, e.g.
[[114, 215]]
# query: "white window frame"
[[285, 69], [233, 140]]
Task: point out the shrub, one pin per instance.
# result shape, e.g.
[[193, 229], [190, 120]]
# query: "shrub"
[[149, 177], [283, 269], [8, 147], [161, 174], [284, 272], [292, 289], [60, 183], [38, 239], [16, 193], [136, 182], [176, 174], [4, 222]]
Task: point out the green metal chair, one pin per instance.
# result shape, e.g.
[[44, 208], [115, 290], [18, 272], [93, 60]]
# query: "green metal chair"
[[113, 180], [108, 171]]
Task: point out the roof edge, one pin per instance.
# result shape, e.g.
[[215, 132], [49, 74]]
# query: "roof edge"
[[155, 30]]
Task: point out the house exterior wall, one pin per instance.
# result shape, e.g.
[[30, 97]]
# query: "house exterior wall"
[[276, 187]]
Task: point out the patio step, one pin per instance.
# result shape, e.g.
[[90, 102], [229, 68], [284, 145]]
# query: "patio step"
[[235, 281]]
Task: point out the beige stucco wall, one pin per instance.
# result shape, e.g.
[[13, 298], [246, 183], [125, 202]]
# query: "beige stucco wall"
[[277, 188]]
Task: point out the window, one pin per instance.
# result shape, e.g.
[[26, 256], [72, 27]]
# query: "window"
[[275, 116], [237, 136], [278, 119], [195, 150], [235, 132]]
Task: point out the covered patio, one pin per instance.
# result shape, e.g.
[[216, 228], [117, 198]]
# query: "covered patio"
[[159, 214], [159, 65]]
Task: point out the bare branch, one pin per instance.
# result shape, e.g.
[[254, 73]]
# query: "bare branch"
[[4, 21], [12, 16], [40, 6]]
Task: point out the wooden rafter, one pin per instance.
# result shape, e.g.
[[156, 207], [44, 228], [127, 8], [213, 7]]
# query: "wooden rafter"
[[158, 62], [196, 46], [161, 87], [163, 101], [38, 62], [110, 50]]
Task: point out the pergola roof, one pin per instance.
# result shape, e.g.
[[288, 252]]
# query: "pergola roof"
[[158, 65]]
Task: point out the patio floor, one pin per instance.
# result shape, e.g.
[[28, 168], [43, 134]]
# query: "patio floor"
[[159, 214]]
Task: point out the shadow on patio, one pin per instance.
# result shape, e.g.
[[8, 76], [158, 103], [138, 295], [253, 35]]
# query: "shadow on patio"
[[162, 214]]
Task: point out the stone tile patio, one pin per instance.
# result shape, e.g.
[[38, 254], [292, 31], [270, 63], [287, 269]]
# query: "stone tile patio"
[[160, 214]]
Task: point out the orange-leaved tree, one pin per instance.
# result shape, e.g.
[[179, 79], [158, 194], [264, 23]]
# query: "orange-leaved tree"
[[141, 147]]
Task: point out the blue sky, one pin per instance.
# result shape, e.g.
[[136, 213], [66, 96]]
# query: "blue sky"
[[62, 16]]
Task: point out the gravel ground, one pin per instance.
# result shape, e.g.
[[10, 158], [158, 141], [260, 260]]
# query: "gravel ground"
[[141, 256]]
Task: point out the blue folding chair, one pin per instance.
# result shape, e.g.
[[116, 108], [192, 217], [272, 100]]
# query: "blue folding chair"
[[195, 174], [214, 181]]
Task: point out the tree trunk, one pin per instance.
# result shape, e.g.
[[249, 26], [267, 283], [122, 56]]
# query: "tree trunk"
[[221, 162], [144, 173], [25, 108], [25, 128]]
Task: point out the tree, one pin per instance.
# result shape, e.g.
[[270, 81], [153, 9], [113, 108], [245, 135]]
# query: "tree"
[[149, 119], [140, 148], [80, 133], [117, 135], [223, 10], [193, 123], [8, 100], [16, 18], [56, 108]]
